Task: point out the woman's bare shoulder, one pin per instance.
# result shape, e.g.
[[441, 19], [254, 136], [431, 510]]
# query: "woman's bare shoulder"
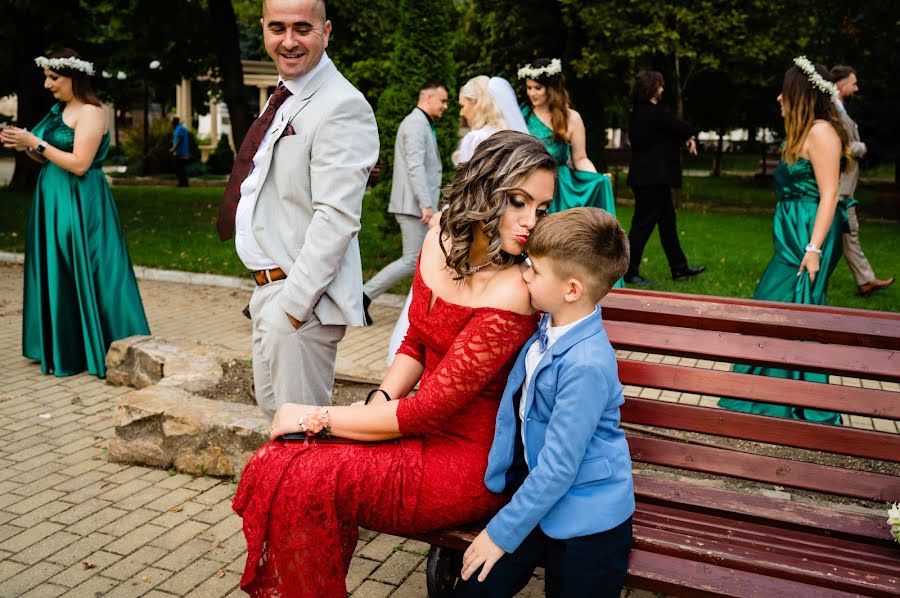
[[822, 135], [508, 291]]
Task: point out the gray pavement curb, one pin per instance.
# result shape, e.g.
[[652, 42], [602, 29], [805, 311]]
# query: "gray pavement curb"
[[198, 278]]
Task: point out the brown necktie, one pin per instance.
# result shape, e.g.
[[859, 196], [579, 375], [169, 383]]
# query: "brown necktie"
[[243, 162]]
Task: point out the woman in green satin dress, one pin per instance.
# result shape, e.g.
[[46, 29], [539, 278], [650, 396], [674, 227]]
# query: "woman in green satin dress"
[[551, 119], [808, 223], [80, 293]]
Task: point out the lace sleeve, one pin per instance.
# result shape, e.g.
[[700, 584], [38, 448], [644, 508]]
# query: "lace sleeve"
[[480, 350]]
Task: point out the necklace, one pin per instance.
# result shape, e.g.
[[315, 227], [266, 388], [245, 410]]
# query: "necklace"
[[480, 266]]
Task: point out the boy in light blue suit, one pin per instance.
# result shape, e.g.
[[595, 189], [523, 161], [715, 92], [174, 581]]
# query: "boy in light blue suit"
[[557, 442]]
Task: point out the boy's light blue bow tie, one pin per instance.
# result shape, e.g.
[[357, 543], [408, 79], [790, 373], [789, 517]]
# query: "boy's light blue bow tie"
[[542, 332]]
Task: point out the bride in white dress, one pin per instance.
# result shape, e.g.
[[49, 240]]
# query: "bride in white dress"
[[488, 104]]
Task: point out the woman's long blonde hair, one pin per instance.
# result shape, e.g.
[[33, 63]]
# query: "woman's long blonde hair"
[[803, 105], [485, 112], [478, 196]]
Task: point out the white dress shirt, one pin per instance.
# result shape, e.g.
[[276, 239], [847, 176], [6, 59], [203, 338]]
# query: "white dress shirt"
[[251, 254], [533, 358]]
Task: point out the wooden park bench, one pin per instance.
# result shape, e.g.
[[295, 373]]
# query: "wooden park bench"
[[736, 504]]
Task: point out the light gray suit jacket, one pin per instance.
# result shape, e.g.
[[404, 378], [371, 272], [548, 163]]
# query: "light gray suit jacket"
[[309, 200], [850, 177], [416, 184]]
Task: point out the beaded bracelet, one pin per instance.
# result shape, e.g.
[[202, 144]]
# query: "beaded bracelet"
[[372, 393]]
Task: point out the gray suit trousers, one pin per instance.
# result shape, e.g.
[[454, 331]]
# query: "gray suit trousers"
[[290, 366], [853, 253], [413, 233]]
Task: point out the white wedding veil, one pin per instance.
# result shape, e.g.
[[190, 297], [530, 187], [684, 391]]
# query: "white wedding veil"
[[505, 99]]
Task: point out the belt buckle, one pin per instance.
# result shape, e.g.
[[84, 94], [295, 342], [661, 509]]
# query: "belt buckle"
[[268, 276]]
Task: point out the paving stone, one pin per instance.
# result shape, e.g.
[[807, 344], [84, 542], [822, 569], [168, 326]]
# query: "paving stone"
[[396, 568], [189, 578], [135, 539], [185, 554], [78, 512], [171, 499], [413, 586], [381, 547], [131, 565], [216, 494], [129, 522], [359, 570], [26, 538], [142, 497], [31, 576], [202, 484], [38, 515], [416, 547], [174, 538], [73, 484], [228, 549], [97, 520], [44, 548], [80, 549], [212, 515], [95, 586], [220, 584], [9, 569], [44, 591], [39, 486], [140, 584], [178, 515], [372, 589], [79, 572]]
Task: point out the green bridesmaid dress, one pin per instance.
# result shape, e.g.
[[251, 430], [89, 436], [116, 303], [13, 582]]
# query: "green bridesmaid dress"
[[795, 216], [574, 188], [80, 290]]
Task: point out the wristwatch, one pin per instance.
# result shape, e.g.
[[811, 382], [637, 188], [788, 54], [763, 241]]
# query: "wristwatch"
[[813, 248], [40, 147]]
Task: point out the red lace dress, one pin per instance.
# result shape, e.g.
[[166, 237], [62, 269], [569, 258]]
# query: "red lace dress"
[[302, 504]]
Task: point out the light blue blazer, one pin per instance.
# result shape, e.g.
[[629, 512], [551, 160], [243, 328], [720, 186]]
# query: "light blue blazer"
[[579, 469]]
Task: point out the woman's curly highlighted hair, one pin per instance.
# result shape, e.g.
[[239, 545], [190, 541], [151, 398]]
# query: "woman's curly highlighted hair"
[[478, 196]]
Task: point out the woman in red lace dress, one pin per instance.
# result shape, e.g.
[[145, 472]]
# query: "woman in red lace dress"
[[422, 465]]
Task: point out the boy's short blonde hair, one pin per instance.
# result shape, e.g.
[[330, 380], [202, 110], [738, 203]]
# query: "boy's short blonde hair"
[[587, 244]]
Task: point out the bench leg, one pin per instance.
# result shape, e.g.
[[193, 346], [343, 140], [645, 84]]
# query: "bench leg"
[[442, 569]]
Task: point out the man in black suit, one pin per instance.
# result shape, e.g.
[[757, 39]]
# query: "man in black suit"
[[657, 137]]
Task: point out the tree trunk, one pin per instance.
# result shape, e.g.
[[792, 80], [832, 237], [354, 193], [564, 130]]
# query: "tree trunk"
[[720, 149], [34, 102], [228, 53]]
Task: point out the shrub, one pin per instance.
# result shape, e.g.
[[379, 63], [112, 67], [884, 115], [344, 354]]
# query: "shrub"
[[222, 158]]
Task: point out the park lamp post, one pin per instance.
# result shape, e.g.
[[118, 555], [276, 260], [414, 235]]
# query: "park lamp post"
[[121, 77], [154, 65]]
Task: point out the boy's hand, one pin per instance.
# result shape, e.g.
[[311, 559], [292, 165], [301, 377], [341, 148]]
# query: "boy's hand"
[[482, 551]]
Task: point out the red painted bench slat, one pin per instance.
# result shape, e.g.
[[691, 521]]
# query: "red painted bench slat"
[[828, 397], [761, 468], [780, 320], [761, 428], [785, 514], [756, 350]]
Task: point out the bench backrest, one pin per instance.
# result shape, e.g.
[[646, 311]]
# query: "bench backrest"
[[841, 342]]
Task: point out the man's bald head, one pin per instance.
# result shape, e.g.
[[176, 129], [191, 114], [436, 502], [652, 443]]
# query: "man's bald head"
[[320, 3]]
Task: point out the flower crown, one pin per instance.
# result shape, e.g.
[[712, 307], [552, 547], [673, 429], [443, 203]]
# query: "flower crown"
[[818, 81], [75, 64], [531, 72]]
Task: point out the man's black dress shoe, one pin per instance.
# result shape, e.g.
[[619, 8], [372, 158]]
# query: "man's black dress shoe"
[[687, 272], [637, 279], [366, 302]]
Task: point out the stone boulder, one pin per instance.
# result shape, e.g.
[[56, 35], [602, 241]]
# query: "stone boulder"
[[141, 361], [166, 426]]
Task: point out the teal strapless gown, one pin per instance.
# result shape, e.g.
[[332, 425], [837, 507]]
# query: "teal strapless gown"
[[80, 290], [795, 216], [574, 188]]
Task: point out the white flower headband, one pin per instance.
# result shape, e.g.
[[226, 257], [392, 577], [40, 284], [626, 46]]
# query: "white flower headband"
[[818, 81], [75, 64], [530, 72]]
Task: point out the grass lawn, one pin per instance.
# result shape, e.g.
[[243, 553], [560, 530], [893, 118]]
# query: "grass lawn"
[[172, 228]]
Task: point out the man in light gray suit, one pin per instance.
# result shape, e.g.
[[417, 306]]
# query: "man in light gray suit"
[[293, 201], [415, 188], [844, 77]]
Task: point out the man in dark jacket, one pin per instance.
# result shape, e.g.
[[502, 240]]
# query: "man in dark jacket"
[[657, 137]]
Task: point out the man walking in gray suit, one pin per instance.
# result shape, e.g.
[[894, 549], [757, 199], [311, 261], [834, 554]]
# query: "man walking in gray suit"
[[844, 77], [293, 203], [415, 188]]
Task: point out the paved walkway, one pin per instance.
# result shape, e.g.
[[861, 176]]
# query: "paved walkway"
[[73, 524]]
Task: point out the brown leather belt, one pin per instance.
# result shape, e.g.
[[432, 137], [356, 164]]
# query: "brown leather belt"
[[263, 277]]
